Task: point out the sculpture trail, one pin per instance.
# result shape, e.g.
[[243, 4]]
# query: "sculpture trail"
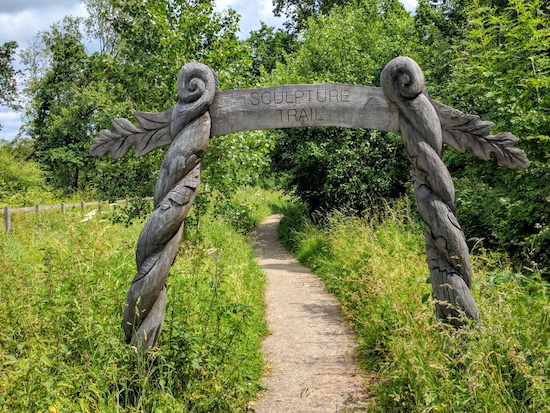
[[401, 106]]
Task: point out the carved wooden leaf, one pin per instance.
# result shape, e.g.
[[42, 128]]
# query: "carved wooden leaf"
[[463, 131], [146, 267], [153, 132]]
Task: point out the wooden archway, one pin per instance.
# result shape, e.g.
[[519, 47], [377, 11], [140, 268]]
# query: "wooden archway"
[[401, 106]]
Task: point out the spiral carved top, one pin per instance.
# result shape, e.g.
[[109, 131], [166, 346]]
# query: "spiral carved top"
[[403, 83], [197, 86], [403, 78]]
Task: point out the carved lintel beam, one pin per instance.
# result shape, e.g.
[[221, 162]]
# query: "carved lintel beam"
[[290, 106]]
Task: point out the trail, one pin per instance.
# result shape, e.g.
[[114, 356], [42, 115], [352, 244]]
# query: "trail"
[[310, 349]]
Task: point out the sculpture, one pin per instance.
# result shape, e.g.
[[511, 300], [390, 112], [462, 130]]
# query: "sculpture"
[[400, 106]]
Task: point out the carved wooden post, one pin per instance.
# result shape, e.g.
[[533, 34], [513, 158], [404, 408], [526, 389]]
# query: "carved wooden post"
[[176, 188], [7, 219], [446, 248]]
